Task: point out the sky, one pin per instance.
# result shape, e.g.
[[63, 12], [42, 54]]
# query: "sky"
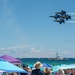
[[27, 31]]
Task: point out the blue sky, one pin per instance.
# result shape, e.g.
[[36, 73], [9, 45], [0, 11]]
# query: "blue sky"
[[27, 31]]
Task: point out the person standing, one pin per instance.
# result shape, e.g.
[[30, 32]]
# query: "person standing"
[[37, 70], [61, 72], [47, 71]]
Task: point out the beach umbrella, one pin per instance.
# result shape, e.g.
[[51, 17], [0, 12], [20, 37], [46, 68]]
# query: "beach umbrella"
[[64, 66], [55, 68], [45, 65], [8, 67], [71, 66], [30, 66]]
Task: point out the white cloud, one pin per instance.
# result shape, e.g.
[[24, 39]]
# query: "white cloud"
[[18, 47], [65, 52], [2, 48], [35, 50]]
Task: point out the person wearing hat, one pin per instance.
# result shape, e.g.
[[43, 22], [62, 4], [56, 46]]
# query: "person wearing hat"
[[60, 71], [37, 70], [47, 71]]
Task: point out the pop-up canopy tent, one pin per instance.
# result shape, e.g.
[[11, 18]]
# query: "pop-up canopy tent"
[[11, 59], [9, 67]]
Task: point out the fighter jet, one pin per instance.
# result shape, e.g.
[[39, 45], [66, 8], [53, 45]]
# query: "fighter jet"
[[65, 17], [61, 17], [61, 13], [60, 21], [56, 16]]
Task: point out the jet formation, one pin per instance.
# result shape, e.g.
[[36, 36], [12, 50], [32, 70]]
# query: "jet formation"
[[61, 17]]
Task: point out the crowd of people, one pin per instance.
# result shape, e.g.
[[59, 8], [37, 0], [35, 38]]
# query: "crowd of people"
[[46, 71], [37, 70]]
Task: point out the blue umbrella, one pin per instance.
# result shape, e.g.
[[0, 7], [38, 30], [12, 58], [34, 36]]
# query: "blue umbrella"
[[8, 67], [55, 68], [71, 66], [46, 65], [30, 66]]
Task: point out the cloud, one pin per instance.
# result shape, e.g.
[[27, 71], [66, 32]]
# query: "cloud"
[[65, 52], [19, 47], [35, 50], [2, 49], [14, 47]]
